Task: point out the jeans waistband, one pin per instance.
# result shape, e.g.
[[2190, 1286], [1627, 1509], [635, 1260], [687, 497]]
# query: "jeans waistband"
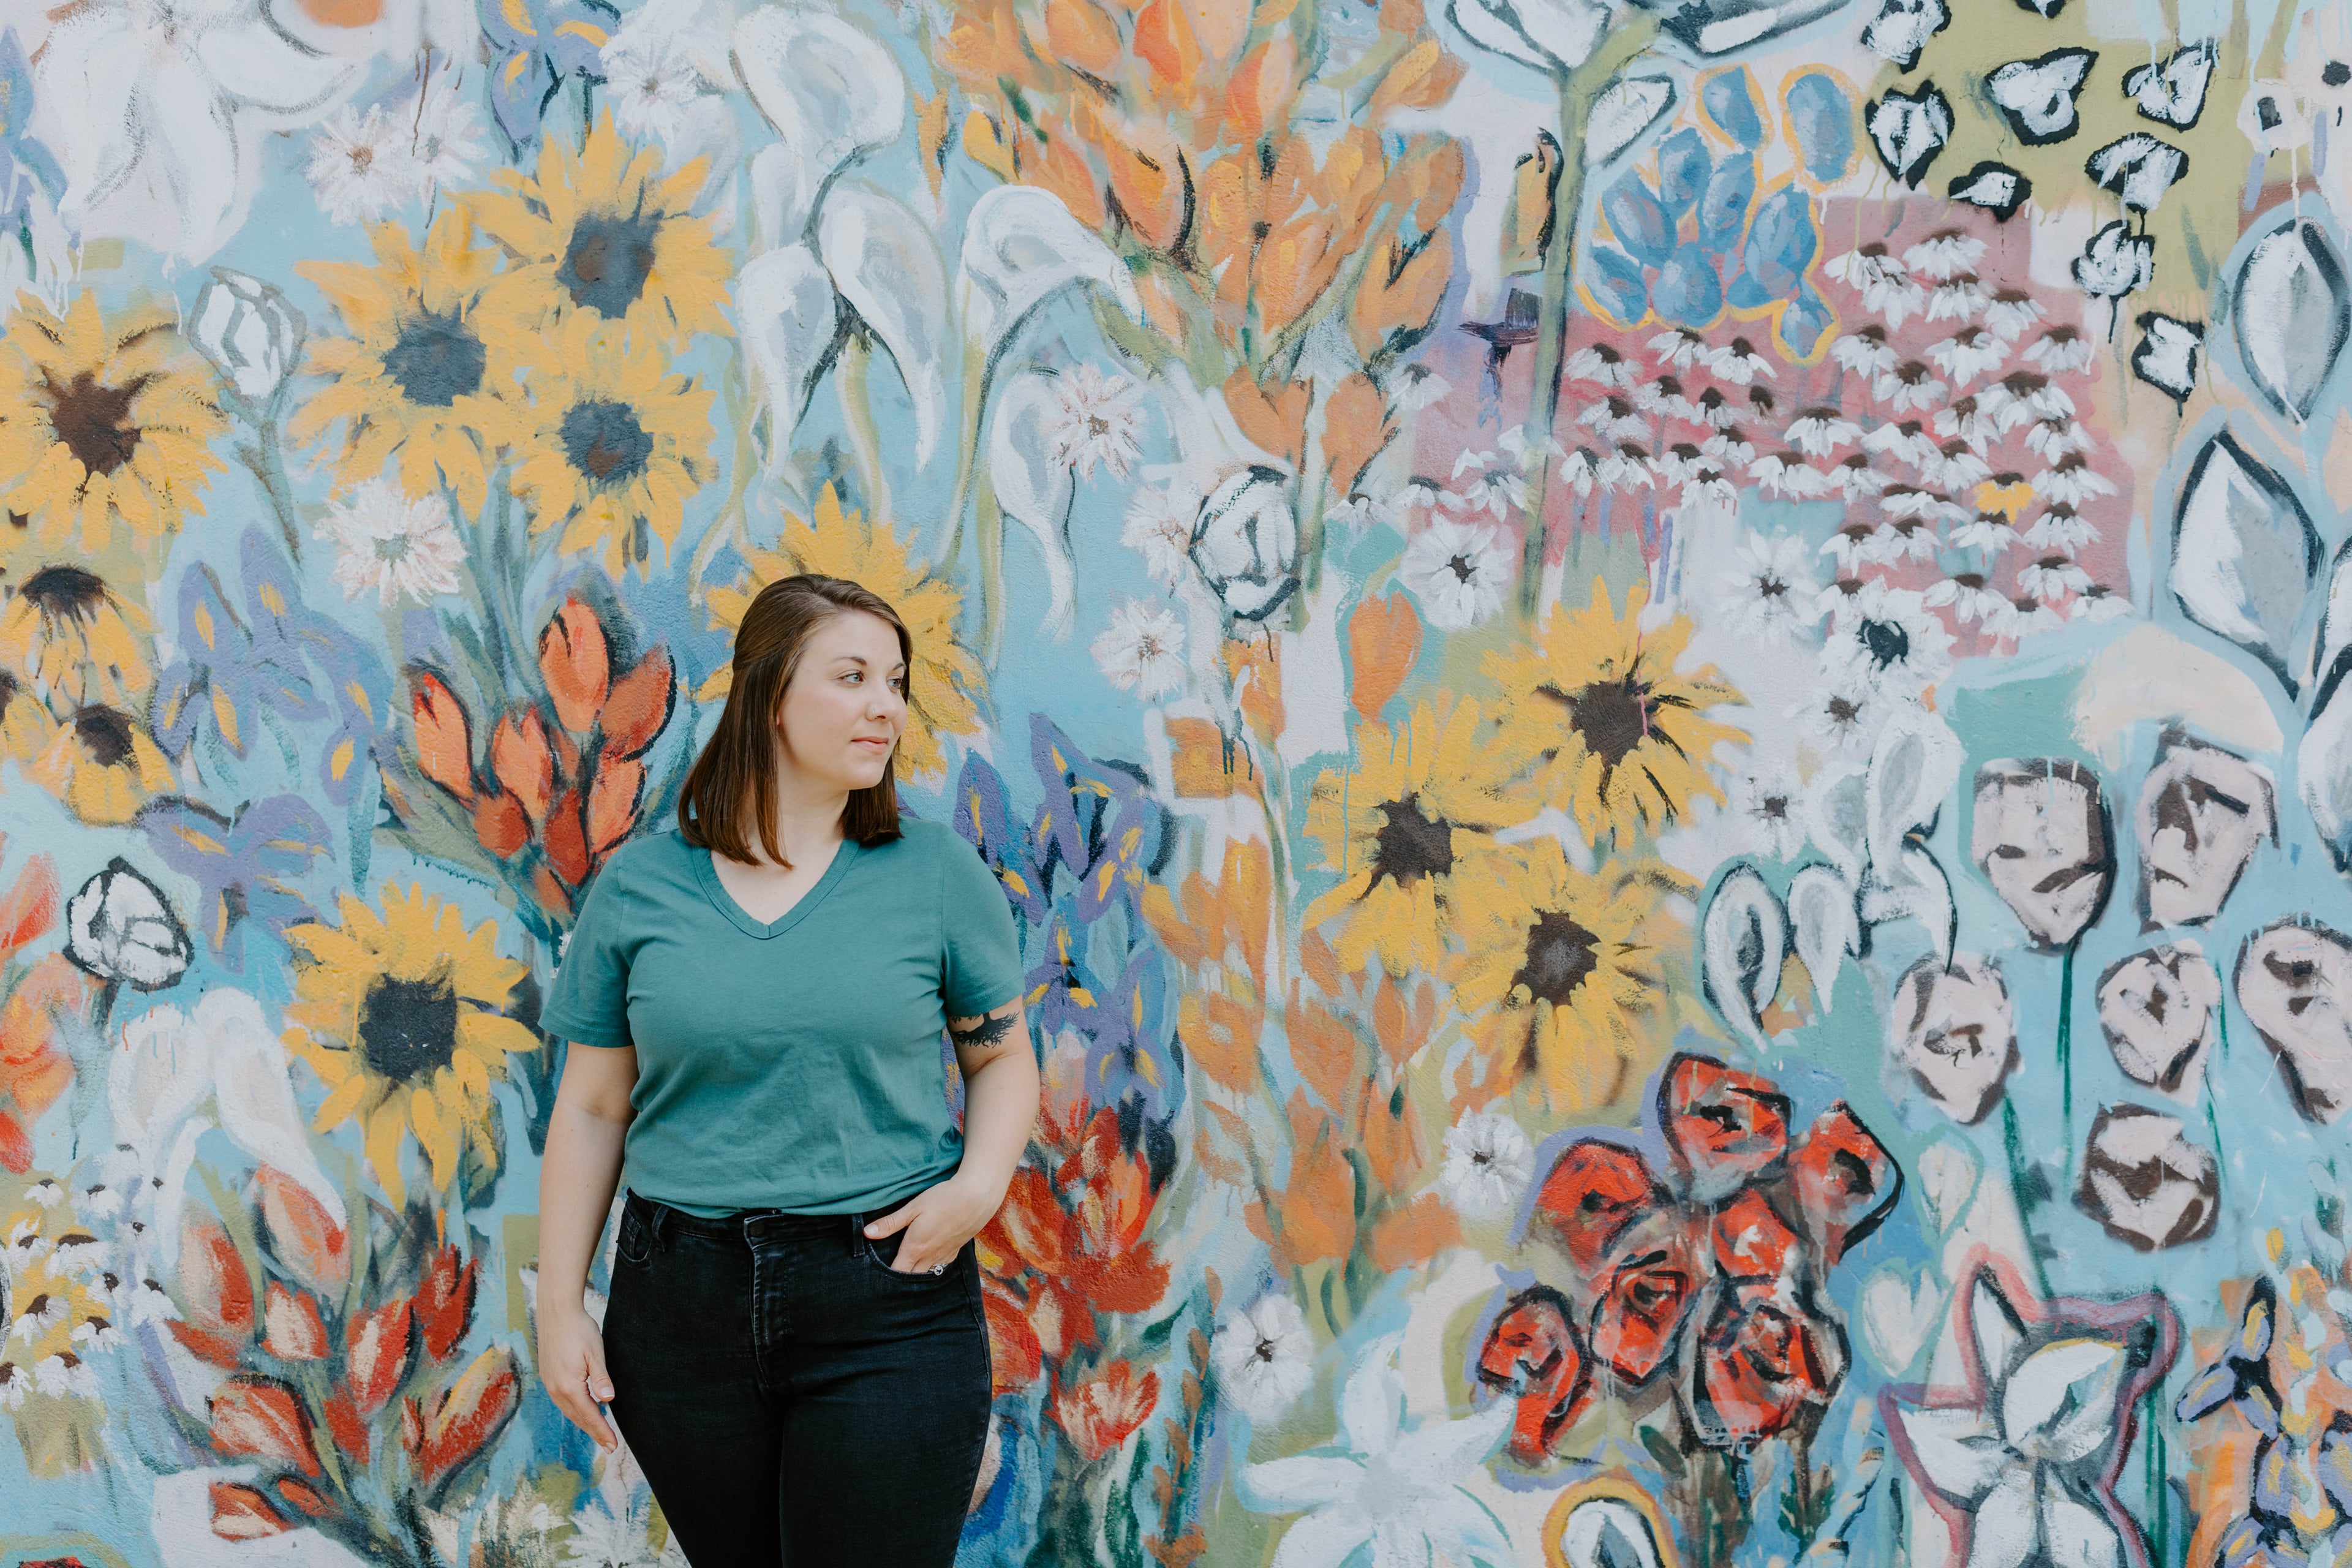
[[748, 1226]]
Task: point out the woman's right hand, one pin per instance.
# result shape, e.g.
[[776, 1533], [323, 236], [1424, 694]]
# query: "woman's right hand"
[[572, 1364]]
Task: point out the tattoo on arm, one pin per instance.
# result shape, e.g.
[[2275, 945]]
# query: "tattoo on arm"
[[982, 1034]]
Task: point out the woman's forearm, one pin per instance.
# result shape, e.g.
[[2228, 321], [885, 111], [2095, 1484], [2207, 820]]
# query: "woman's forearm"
[[577, 1175], [999, 1112]]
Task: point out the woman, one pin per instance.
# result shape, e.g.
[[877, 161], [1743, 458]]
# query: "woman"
[[794, 1344]]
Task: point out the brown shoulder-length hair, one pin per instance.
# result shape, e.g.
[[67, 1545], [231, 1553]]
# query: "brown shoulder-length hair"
[[730, 794]]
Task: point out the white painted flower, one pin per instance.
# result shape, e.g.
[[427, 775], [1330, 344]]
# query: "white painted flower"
[[1886, 286], [1770, 804], [1488, 1165], [16, 1382], [446, 136], [2052, 578], [1962, 299], [2071, 481], [1819, 431], [1788, 473], [2099, 603], [1614, 419], [2061, 350], [360, 167], [1771, 592], [2026, 1454], [1969, 353], [2051, 439], [602, 1538], [1458, 571], [2011, 312], [1159, 528], [1142, 649], [65, 1376], [45, 1193], [157, 111], [38, 1317], [1418, 387], [1841, 717], [1385, 1487], [1986, 531], [1601, 364], [1966, 595], [400, 547], [1894, 645], [1098, 418], [1963, 420], [1681, 348], [1863, 351], [1910, 388], [1945, 256], [651, 78], [1264, 1356]]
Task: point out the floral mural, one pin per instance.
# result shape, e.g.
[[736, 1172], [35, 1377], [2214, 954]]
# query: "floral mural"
[[1661, 686]]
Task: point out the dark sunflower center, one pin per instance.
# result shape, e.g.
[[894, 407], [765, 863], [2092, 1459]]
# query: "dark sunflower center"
[[1886, 642], [1613, 717], [606, 264], [1413, 845], [94, 421], [1560, 953], [437, 360], [408, 1029], [105, 735], [58, 591], [604, 441]]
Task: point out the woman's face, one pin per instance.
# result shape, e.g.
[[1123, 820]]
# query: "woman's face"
[[847, 703]]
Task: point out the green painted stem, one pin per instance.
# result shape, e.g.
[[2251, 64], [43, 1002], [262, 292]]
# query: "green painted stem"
[[1577, 89], [2067, 1052]]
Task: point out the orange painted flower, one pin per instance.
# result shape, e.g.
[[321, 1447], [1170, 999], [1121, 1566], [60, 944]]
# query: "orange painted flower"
[[1738, 1241], [1099, 1413], [1072, 1242]]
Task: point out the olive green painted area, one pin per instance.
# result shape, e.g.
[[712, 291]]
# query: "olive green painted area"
[[2196, 221]]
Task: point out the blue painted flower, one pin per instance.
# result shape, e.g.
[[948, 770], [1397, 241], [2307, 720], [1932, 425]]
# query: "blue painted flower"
[[537, 46], [248, 868]]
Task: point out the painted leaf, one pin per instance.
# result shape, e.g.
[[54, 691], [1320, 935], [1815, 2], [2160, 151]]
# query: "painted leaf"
[[1021, 246], [832, 91], [784, 299], [2243, 553], [1823, 927], [2291, 312], [885, 262], [1033, 488], [1744, 940]]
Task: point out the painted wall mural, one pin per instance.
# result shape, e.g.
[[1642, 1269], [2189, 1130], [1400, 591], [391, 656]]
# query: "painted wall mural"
[[1662, 686]]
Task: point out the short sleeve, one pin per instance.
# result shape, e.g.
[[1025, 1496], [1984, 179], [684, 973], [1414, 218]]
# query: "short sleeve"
[[589, 1001], [980, 960]]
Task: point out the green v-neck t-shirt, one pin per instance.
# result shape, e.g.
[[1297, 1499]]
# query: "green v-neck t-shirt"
[[796, 1064]]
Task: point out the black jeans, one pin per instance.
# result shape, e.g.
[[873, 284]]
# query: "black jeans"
[[792, 1398]]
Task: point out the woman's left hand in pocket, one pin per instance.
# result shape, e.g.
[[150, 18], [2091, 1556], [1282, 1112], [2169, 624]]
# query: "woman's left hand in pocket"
[[938, 1221]]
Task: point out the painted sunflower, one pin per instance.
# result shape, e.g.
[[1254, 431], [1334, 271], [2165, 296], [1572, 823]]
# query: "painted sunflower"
[[399, 1018], [419, 378], [945, 679], [103, 423], [75, 640], [27, 725], [1419, 809], [1617, 735], [613, 447], [1561, 970], [602, 233], [103, 764]]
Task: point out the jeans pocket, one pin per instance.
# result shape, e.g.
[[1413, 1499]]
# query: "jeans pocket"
[[882, 1254], [635, 1245]]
